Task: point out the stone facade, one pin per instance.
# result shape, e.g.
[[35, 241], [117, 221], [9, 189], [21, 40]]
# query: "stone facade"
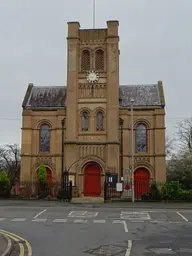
[[93, 49]]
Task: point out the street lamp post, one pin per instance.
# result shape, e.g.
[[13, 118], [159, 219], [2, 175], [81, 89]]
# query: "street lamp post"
[[62, 153], [132, 151], [121, 147]]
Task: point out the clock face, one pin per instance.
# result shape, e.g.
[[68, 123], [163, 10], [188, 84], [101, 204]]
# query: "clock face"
[[92, 76]]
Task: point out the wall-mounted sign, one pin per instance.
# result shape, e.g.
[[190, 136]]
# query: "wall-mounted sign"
[[119, 187]]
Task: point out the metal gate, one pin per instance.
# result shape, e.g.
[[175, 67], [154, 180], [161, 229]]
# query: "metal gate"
[[66, 187]]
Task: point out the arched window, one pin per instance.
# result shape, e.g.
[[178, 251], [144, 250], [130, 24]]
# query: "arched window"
[[45, 135], [99, 60], [141, 138], [85, 121], [85, 60], [100, 125]]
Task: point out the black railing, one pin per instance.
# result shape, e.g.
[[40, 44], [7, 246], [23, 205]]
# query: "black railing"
[[28, 189]]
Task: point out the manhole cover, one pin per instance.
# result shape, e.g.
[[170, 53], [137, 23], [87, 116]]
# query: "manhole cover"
[[107, 250]]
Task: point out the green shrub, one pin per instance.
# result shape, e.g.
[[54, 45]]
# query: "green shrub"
[[185, 195], [5, 185], [42, 178], [42, 174], [171, 190]]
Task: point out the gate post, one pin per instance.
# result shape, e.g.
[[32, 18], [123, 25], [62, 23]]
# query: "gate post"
[[106, 186]]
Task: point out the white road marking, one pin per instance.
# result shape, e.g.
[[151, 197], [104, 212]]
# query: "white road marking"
[[80, 221], [39, 220], [19, 219], [121, 222], [135, 215], [60, 220], [82, 214], [2, 219], [137, 221], [125, 226], [128, 252], [76, 213], [183, 217], [40, 213], [99, 221]]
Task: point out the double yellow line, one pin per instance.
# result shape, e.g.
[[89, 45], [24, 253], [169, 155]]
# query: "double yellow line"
[[19, 240]]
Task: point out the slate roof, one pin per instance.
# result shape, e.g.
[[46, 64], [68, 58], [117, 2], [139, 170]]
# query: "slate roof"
[[143, 95], [45, 97], [39, 97]]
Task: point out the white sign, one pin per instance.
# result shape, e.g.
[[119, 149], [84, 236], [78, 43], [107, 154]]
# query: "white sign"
[[119, 187]]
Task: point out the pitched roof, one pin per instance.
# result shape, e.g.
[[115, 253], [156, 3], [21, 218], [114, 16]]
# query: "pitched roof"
[[45, 97], [143, 95], [55, 96]]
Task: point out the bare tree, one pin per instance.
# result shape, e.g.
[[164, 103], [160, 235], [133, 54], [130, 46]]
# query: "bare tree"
[[169, 146], [10, 160], [185, 134]]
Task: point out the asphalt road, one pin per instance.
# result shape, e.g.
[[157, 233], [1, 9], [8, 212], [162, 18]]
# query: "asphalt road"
[[68, 230]]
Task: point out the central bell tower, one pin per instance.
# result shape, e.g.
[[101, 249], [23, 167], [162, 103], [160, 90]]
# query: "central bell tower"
[[92, 88]]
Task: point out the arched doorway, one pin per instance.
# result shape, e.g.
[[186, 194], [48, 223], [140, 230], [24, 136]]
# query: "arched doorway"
[[92, 180], [49, 179], [141, 182]]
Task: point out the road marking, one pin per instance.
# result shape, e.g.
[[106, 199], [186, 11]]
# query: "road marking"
[[183, 217], [128, 252], [82, 214], [80, 221], [99, 221], [76, 213], [19, 219], [39, 220], [19, 239], [125, 226], [121, 222], [2, 219], [40, 213], [137, 221], [60, 220], [135, 215]]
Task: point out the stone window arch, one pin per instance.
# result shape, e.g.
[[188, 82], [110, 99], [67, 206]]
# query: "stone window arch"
[[99, 121], [141, 138], [85, 60], [85, 121], [44, 138], [99, 60]]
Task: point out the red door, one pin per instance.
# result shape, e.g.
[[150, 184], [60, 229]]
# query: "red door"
[[49, 180], [92, 180], [141, 182]]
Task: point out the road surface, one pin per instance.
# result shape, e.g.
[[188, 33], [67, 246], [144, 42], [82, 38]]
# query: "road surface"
[[82, 230]]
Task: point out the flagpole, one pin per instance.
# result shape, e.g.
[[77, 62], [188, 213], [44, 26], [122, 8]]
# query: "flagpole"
[[94, 11]]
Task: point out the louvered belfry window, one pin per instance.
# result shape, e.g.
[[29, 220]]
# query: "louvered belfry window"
[[99, 60], [85, 60]]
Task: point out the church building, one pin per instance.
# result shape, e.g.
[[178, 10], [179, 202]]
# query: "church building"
[[96, 112]]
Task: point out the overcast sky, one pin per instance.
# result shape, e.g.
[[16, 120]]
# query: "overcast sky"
[[155, 42]]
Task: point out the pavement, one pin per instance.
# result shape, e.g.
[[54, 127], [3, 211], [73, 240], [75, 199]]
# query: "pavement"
[[5, 245], [54, 228]]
